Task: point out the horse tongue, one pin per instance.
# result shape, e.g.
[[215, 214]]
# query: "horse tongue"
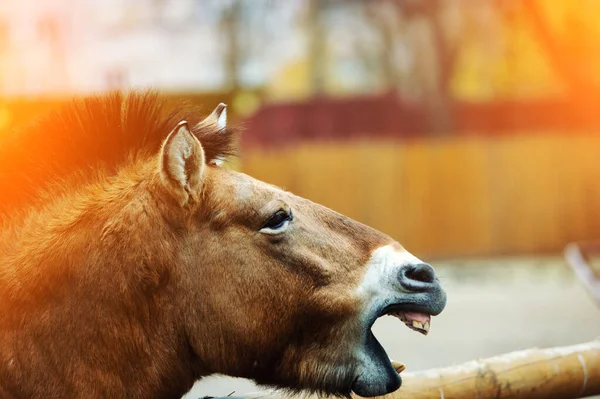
[[420, 317], [418, 321]]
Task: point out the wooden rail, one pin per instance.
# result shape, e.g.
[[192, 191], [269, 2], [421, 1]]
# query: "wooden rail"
[[555, 373]]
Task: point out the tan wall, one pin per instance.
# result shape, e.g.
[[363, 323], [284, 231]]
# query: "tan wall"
[[458, 196]]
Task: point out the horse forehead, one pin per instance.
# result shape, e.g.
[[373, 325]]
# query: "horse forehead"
[[245, 189]]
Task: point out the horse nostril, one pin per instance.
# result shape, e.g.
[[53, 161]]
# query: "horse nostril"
[[418, 277], [421, 272]]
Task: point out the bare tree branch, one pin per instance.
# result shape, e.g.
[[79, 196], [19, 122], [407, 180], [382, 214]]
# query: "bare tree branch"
[[230, 24], [317, 43]]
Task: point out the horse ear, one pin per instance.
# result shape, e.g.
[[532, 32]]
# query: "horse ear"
[[217, 120], [181, 162]]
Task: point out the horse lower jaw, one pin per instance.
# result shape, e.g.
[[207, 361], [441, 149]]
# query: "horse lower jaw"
[[376, 374]]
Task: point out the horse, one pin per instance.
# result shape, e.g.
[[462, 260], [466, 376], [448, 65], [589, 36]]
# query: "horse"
[[133, 263]]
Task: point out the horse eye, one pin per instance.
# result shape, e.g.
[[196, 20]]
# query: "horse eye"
[[277, 220]]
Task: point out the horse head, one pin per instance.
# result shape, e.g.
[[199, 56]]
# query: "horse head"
[[282, 290], [173, 268]]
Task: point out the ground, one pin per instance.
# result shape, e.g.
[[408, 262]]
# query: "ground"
[[494, 306]]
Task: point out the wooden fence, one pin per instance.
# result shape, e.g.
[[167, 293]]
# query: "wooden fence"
[[455, 196], [461, 195]]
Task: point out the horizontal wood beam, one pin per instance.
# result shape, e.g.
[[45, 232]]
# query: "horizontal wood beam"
[[554, 373]]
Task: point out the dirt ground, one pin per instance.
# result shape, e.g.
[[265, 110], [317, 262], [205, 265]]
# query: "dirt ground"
[[494, 306]]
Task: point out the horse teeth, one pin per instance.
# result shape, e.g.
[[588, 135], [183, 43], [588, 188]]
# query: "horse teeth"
[[417, 324], [399, 367], [426, 326]]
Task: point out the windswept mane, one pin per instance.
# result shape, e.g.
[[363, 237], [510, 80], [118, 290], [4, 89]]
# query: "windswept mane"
[[93, 132]]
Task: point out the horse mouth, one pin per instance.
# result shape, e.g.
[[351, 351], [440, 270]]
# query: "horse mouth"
[[418, 320], [377, 373]]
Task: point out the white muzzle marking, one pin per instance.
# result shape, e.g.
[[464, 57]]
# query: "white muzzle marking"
[[381, 278]]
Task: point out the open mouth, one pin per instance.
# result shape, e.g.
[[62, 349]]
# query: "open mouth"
[[417, 321], [378, 374]]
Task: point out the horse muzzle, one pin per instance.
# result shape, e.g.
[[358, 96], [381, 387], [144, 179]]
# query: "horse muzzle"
[[396, 284]]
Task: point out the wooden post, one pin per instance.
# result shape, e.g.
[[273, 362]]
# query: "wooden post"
[[578, 257], [555, 373]]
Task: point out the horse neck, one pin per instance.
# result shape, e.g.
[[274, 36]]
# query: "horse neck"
[[90, 277]]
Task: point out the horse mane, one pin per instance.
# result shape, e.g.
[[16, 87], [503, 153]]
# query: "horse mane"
[[92, 133]]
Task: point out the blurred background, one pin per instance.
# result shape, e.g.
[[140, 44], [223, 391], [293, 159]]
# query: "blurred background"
[[468, 130]]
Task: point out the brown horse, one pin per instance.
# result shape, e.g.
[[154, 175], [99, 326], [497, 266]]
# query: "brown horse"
[[166, 267]]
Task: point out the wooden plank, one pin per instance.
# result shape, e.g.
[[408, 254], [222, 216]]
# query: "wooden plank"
[[555, 373]]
